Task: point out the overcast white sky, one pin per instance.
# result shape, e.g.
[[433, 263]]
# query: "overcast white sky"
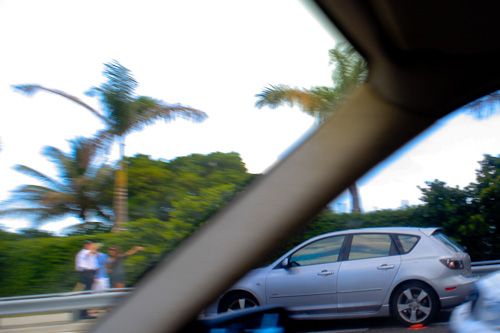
[[211, 55]]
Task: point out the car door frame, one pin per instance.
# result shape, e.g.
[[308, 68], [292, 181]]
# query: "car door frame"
[[371, 297], [306, 306]]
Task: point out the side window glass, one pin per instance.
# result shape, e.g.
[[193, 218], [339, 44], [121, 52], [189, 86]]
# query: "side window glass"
[[370, 246], [407, 242], [319, 252]]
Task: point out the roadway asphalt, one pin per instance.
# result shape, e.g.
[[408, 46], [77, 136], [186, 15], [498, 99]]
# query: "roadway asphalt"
[[62, 323], [440, 325]]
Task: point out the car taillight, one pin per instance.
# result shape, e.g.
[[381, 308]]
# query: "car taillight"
[[452, 263]]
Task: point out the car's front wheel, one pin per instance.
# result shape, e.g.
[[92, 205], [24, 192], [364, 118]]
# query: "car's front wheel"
[[238, 301], [414, 303]]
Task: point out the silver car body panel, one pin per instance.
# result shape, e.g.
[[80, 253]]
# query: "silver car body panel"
[[358, 288]]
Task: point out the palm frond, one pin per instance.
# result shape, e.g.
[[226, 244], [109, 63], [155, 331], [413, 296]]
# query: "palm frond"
[[146, 110], [350, 69], [116, 92], [37, 215], [27, 89], [278, 95], [34, 190], [31, 89], [39, 176], [104, 139], [84, 151]]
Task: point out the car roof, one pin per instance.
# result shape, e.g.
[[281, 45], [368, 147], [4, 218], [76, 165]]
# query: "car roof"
[[394, 230], [426, 58]]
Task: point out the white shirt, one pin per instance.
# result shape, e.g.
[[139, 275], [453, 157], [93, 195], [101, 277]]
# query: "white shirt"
[[85, 260]]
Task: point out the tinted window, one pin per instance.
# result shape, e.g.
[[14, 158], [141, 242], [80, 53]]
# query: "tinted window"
[[319, 252], [448, 241], [370, 246], [406, 242]]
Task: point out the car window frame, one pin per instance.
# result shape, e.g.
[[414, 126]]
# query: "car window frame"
[[400, 247], [393, 251], [342, 248]]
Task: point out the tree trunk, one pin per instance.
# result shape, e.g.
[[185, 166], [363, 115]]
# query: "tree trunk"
[[120, 200], [353, 190]]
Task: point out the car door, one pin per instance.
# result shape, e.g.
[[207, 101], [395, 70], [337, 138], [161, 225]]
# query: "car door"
[[308, 283], [366, 275]]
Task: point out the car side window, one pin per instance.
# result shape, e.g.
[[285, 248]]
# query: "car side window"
[[319, 252], [406, 242], [365, 246]]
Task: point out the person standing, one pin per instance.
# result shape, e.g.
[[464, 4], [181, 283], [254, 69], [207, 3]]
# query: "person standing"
[[101, 279], [86, 263], [78, 259], [117, 276]]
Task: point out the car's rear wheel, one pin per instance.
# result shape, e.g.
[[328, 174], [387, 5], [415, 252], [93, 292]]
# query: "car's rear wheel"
[[414, 303], [238, 301]]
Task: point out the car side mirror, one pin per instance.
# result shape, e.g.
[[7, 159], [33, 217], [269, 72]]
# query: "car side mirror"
[[285, 263]]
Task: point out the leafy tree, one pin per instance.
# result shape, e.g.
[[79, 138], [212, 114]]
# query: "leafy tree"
[[469, 214], [123, 112], [443, 203], [80, 189], [350, 70], [155, 186], [485, 194]]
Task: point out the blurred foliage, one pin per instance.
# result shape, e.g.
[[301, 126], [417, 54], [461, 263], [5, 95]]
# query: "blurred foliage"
[[156, 187], [471, 215], [202, 186], [79, 189], [88, 228], [123, 112], [35, 233], [169, 200]]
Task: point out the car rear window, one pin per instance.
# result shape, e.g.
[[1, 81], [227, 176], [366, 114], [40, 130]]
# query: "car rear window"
[[450, 243], [406, 243]]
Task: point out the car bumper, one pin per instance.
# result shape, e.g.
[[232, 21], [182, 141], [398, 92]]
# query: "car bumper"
[[456, 291]]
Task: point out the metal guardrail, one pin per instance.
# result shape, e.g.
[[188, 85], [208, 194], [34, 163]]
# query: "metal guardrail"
[[485, 267], [61, 302], [79, 300], [485, 263]]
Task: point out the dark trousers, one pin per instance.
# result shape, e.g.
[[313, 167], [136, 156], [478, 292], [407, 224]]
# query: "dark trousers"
[[87, 278]]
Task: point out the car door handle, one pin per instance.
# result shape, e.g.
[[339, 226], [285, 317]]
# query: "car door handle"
[[325, 272], [385, 266]]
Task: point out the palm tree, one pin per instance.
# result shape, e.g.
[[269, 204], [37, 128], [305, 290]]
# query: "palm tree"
[[79, 190], [123, 112], [350, 71]]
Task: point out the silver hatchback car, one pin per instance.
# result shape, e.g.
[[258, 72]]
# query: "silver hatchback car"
[[410, 273]]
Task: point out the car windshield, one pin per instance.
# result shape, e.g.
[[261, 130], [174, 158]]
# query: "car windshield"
[[127, 127]]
